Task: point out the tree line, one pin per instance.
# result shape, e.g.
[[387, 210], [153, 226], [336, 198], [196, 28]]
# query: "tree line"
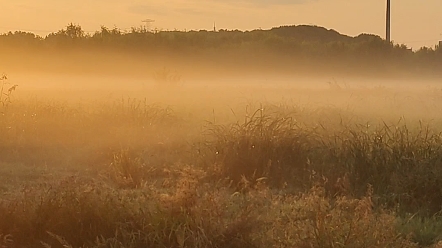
[[300, 44]]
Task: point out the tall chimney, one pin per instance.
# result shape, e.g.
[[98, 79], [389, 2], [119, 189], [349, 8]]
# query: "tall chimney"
[[388, 37]]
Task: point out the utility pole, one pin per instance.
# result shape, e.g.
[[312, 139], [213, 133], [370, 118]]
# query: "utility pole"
[[388, 37]]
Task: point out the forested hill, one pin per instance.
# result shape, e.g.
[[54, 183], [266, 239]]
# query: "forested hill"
[[287, 45], [310, 34], [290, 34], [305, 33]]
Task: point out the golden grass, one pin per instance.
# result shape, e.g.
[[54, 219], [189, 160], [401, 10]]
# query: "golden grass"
[[128, 173]]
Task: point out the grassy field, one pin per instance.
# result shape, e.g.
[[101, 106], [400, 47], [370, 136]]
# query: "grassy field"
[[222, 165]]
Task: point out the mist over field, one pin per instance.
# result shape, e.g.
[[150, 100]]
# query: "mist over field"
[[296, 136]]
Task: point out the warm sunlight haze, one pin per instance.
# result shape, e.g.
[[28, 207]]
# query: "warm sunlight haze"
[[221, 123]]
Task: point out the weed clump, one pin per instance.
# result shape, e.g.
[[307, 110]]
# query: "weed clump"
[[315, 220], [274, 147], [5, 91], [127, 171], [77, 212], [425, 231], [401, 163]]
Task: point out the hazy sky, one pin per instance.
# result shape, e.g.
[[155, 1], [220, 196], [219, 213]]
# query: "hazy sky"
[[414, 22]]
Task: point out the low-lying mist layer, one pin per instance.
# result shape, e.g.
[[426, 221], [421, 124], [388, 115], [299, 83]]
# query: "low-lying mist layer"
[[221, 165]]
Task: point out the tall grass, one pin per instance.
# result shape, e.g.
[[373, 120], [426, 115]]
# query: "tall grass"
[[275, 147], [314, 220], [424, 230], [186, 212], [37, 132], [90, 213], [399, 161], [272, 180]]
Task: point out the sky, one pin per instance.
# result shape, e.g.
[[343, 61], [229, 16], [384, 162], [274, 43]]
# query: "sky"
[[415, 23]]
